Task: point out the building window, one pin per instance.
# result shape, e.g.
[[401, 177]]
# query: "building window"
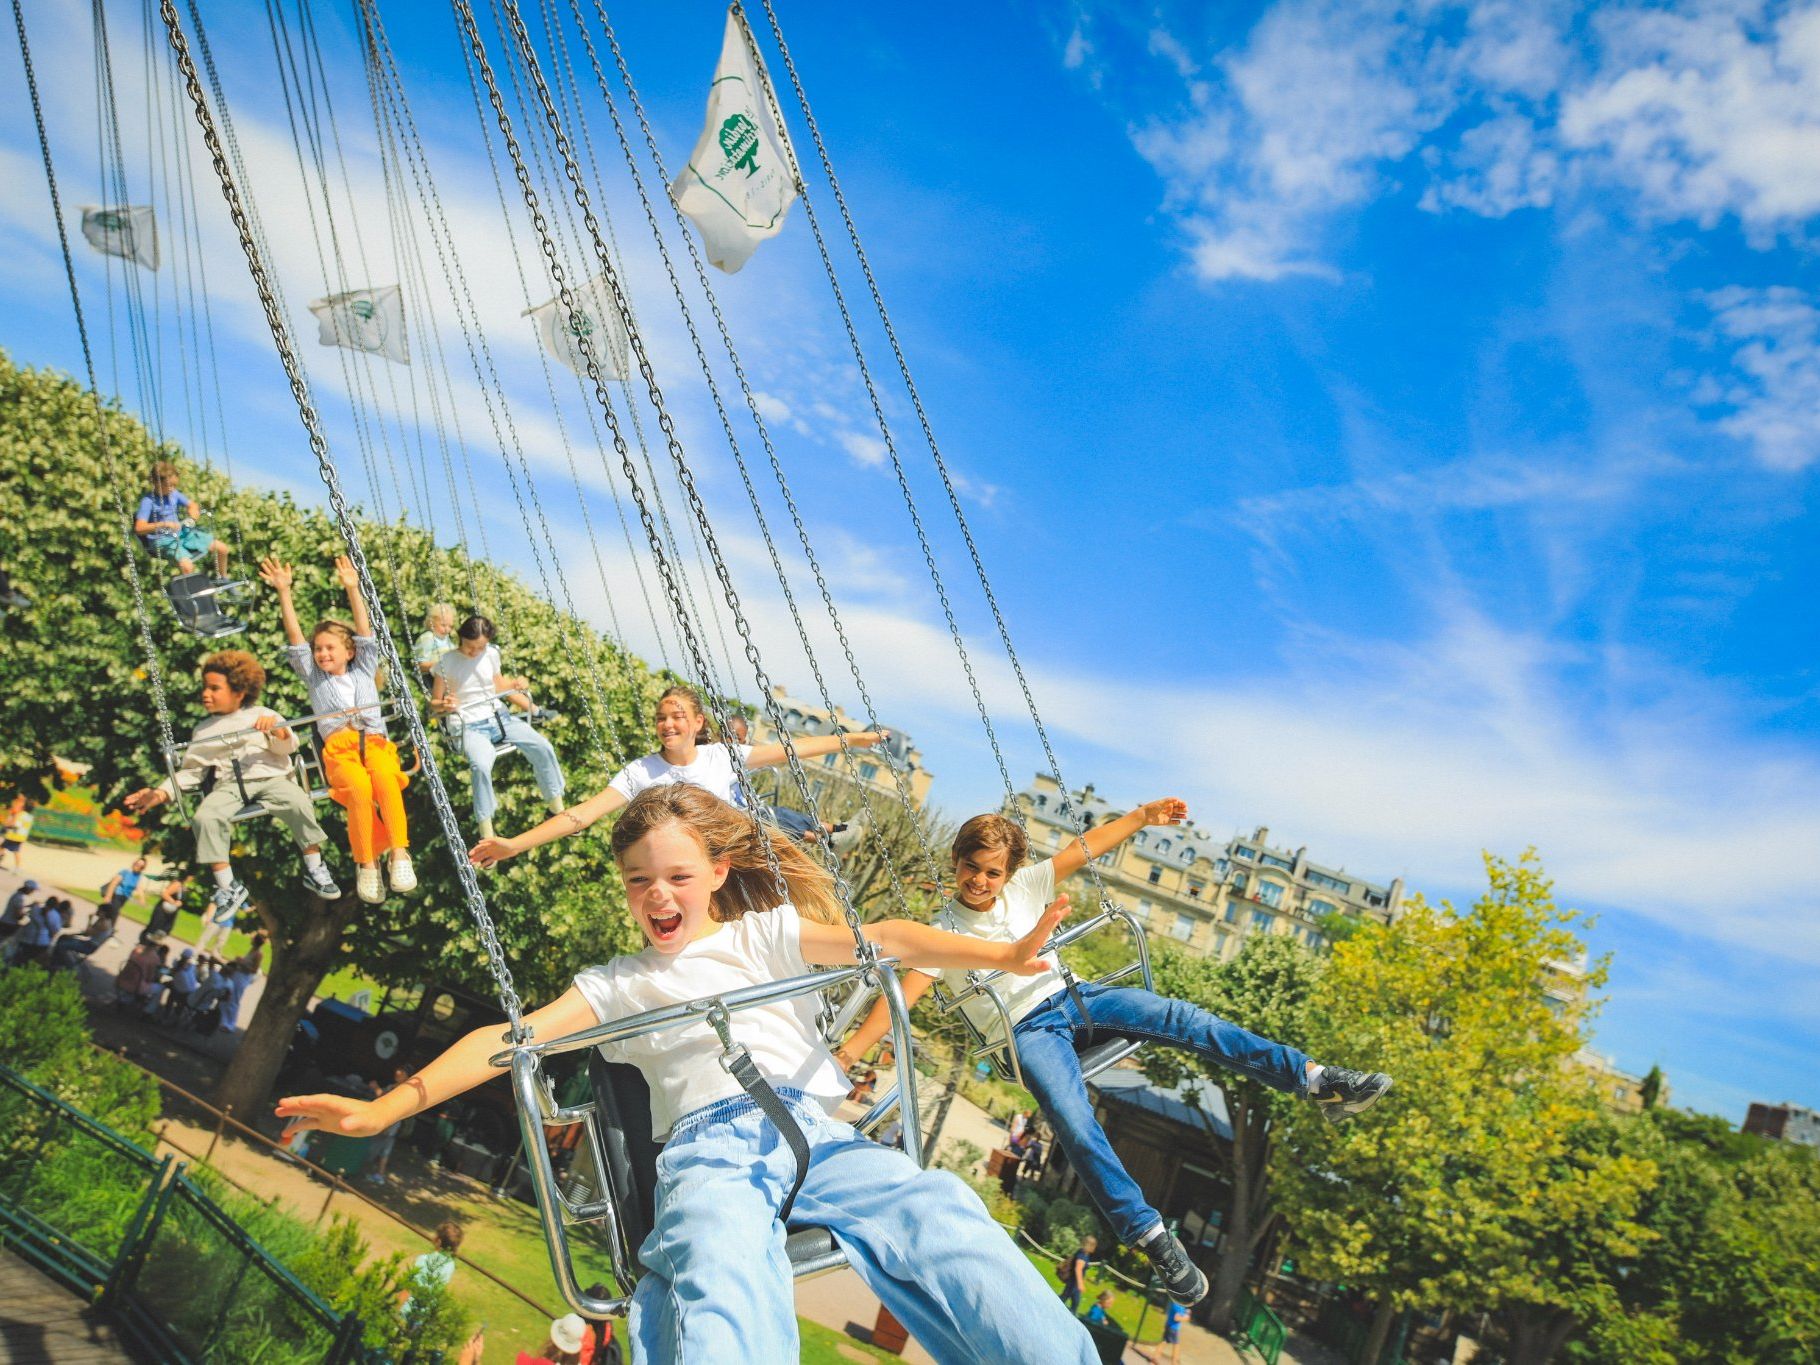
[[1162, 846], [1271, 893], [1183, 929], [1143, 911], [1195, 888], [1242, 852], [868, 772], [1260, 921], [1319, 908], [1240, 880], [1156, 875], [1271, 860], [1221, 868], [828, 760], [1331, 883], [1232, 913]]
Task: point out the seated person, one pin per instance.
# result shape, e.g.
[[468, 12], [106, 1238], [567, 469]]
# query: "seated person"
[[43, 922], [166, 524], [141, 964], [241, 753], [470, 689], [438, 639], [163, 919], [72, 948], [997, 897], [18, 905]]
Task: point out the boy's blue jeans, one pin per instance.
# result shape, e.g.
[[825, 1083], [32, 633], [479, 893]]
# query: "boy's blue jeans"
[[717, 1286], [1052, 1070], [479, 741]]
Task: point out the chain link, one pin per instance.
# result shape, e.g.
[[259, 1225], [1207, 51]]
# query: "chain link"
[[114, 480], [473, 896]]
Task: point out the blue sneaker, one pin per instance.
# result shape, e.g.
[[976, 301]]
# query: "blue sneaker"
[[229, 901]]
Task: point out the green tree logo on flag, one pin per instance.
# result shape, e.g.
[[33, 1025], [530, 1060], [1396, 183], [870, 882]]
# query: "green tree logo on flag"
[[739, 143], [363, 309], [113, 221]]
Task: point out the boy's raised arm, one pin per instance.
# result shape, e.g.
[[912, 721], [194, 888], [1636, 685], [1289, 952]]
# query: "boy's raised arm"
[[1101, 839]]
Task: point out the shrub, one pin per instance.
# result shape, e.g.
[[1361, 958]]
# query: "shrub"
[[961, 1157]]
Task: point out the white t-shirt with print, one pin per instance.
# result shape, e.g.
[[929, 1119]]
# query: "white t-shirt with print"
[[713, 770], [682, 1064], [471, 681], [1015, 913]]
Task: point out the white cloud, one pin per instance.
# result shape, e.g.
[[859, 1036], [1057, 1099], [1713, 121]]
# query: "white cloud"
[[1699, 113], [1772, 393], [868, 451]]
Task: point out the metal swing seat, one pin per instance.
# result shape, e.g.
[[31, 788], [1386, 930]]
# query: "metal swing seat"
[[999, 1048], [197, 597], [306, 764], [613, 1184]]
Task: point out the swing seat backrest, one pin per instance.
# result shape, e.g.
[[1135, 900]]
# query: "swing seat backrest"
[[622, 1118], [194, 598]]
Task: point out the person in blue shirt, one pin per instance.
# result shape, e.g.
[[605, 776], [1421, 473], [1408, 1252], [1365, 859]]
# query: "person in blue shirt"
[[1101, 1313], [1173, 1318], [122, 886], [166, 523]]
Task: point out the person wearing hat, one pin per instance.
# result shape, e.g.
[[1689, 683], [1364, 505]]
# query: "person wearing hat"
[[16, 906], [183, 984], [563, 1346]]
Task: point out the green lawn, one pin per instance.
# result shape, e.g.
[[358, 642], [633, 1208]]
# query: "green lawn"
[[1127, 1307]]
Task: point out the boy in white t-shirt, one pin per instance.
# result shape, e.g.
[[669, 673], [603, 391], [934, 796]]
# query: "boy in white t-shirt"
[[701, 883], [468, 686], [998, 898]]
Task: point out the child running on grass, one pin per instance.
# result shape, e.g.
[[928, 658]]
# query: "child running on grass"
[[997, 898], [339, 663], [699, 883]]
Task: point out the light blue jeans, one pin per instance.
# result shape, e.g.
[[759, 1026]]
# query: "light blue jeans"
[[480, 741], [717, 1282], [1052, 1070]]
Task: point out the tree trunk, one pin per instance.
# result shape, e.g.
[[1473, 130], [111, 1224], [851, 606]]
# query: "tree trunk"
[[941, 1111], [1244, 1222], [1381, 1320], [300, 960], [1537, 1334]]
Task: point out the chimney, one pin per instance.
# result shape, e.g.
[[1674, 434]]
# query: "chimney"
[[1262, 836]]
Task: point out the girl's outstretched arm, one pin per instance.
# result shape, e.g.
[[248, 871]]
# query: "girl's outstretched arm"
[[1104, 838], [357, 605], [571, 821], [460, 1069], [277, 574], [812, 746], [924, 946]]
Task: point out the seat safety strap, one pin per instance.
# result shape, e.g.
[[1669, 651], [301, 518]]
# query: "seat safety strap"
[[740, 1066]]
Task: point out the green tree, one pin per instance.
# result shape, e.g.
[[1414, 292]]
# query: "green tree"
[[1266, 989], [1651, 1090], [75, 685], [1423, 1203]]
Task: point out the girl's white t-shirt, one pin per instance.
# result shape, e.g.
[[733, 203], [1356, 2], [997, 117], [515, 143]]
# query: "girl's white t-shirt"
[[472, 682], [682, 1064], [713, 770]]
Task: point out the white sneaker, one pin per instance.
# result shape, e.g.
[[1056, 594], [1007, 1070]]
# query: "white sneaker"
[[368, 885], [401, 874]]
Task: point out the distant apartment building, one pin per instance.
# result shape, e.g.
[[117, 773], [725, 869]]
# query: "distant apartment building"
[[1784, 1123], [831, 773], [1620, 1092], [1206, 892]]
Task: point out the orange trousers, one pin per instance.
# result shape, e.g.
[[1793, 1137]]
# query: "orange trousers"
[[370, 789]]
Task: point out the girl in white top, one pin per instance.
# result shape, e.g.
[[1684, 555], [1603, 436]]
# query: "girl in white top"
[[718, 1284], [686, 753], [339, 663]]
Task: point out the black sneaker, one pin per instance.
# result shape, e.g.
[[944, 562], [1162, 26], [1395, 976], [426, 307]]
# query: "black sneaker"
[[320, 883], [229, 899], [1343, 1093], [1180, 1276]]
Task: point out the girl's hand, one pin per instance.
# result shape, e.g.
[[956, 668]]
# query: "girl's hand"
[[276, 573], [344, 570], [1171, 810], [490, 851], [1025, 954], [144, 799], [330, 1114], [445, 703], [870, 738]]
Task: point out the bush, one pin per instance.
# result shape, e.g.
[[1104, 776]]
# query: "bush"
[[44, 1036], [961, 1157], [1066, 1224]]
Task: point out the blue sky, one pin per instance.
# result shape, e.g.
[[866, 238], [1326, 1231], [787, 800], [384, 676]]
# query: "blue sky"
[[1391, 424]]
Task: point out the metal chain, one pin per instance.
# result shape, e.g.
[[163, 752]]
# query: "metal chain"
[[899, 777], [473, 897], [114, 481], [922, 416]]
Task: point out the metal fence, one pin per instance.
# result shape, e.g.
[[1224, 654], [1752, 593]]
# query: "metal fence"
[[131, 1231], [1256, 1328]]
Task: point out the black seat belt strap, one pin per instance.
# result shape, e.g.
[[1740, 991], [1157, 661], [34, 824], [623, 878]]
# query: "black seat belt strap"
[[742, 1068]]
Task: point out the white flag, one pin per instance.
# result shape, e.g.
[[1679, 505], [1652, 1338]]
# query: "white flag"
[[365, 320], [595, 317], [130, 231], [738, 182]]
